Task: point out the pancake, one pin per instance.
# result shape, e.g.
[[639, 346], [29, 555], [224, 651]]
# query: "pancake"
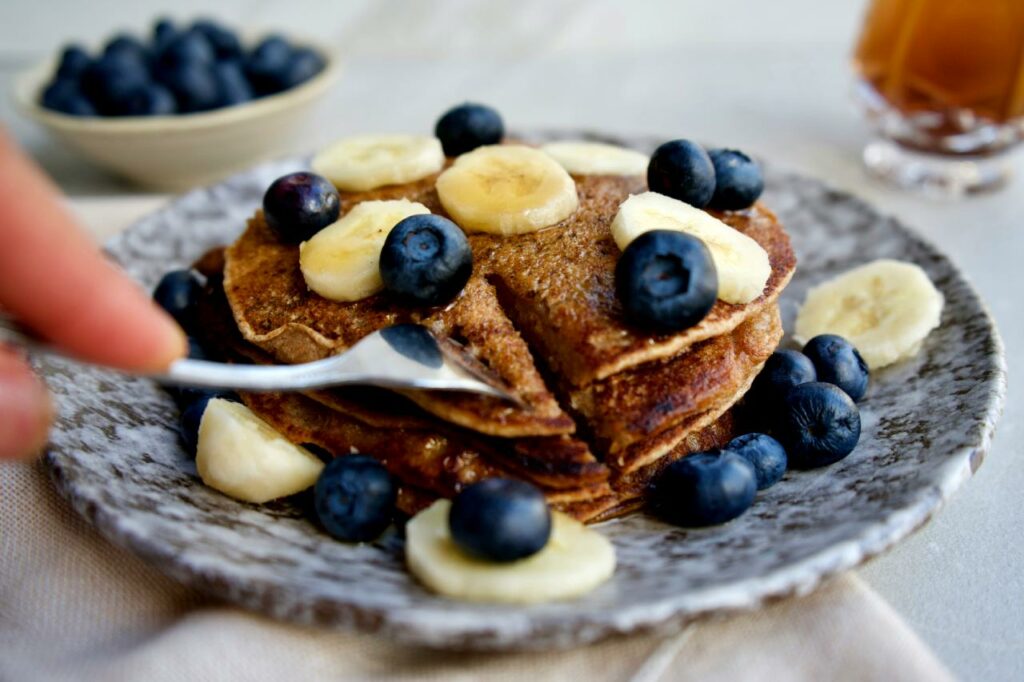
[[537, 304], [432, 462], [605, 405], [632, 406], [431, 458]]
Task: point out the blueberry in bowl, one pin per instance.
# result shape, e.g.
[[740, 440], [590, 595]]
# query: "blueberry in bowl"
[[112, 104]]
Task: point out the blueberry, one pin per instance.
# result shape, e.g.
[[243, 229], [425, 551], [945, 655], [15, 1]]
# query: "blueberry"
[[704, 489], [178, 293], [163, 30], [191, 418], [468, 126], [223, 40], [682, 170], [196, 350], [819, 425], [783, 370], [666, 280], [127, 46], [738, 180], [298, 205], [232, 84], [838, 362], [151, 99], [426, 259], [66, 97], [186, 49], [109, 80], [193, 402], [303, 65], [355, 498], [267, 63], [500, 519], [73, 62], [764, 453], [194, 86]]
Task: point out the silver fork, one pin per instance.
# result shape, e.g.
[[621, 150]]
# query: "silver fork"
[[405, 356]]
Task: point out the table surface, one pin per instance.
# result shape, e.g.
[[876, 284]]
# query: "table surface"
[[772, 81]]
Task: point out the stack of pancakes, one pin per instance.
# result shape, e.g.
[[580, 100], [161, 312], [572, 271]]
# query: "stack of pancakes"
[[605, 405]]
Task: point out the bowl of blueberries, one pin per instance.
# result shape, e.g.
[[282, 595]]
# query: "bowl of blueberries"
[[182, 107]]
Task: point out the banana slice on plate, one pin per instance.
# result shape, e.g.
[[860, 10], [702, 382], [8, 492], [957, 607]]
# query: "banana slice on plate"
[[342, 261], [885, 308], [507, 189], [243, 457], [742, 265], [576, 560], [596, 158], [358, 164]]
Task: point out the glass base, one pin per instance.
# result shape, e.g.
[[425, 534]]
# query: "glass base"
[[933, 174]]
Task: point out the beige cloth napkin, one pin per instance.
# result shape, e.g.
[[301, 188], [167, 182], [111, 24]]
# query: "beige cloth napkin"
[[74, 607]]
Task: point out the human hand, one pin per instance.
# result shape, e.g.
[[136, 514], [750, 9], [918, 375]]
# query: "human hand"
[[54, 280]]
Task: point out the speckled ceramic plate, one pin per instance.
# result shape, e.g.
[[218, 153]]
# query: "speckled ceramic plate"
[[926, 425]]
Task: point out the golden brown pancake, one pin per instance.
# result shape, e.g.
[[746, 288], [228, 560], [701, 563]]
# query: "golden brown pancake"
[[632, 406], [553, 289], [431, 458], [541, 312], [429, 464]]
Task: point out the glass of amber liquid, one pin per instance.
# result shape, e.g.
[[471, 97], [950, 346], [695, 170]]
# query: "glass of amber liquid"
[[942, 82]]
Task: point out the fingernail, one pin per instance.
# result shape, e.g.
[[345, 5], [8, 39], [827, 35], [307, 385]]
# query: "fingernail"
[[26, 411]]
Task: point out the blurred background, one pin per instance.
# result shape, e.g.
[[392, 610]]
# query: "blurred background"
[[771, 78], [677, 68]]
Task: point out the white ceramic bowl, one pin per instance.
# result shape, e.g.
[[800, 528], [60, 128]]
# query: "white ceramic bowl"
[[173, 153]]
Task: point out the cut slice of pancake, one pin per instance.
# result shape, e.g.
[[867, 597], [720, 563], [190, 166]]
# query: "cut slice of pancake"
[[276, 311], [632, 414], [553, 290], [558, 286], [631, 488]]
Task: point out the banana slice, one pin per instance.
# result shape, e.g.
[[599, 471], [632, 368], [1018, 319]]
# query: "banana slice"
[[595, 158], [885, 308], [742, 265], [358, 164], [507, 189], [242, 456], [576, 560], [342, 261]]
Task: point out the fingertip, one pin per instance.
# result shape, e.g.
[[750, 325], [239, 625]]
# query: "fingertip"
[[173, 345], [26, 409]]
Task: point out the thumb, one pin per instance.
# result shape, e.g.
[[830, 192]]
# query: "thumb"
[[25, 409]]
